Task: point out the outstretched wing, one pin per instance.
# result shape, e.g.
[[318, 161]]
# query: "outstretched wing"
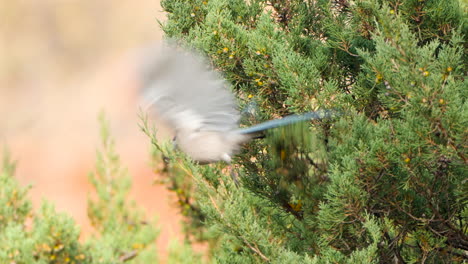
[[184, 91]]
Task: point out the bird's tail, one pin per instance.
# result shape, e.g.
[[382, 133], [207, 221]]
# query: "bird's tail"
[[287, 120]]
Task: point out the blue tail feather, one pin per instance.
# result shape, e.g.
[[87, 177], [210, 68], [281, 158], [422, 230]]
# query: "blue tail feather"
[[287, 120]]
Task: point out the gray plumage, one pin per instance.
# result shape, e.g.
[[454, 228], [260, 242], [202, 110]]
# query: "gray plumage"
[[196, 103]]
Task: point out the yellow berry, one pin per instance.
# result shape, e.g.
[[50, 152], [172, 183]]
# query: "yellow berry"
[[441, 101], [425, 73], [46, 247], [225, 50], [392, 11], [378, 78], [296, 206], [449, 69], [283, 154], [58, 247], [138, 246], [250, 96], [407, 160]]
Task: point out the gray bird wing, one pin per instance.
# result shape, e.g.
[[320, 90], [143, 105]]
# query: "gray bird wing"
[[188, 94]]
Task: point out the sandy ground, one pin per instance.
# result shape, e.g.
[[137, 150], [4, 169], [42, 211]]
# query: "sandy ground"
[[62, 62]]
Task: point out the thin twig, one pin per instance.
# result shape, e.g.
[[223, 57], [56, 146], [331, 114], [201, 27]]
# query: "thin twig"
[[128, 256]]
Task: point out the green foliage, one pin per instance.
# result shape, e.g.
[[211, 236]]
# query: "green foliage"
[[182, 254], [383, 183], [122, 229], [16, 207], [123, 235]]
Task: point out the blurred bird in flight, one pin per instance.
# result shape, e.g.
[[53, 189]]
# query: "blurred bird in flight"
[[196, 102]]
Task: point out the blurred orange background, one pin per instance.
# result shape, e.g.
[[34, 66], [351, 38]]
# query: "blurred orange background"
[[61, 63]]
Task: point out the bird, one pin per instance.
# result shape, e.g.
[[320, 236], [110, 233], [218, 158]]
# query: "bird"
[[197, 104]]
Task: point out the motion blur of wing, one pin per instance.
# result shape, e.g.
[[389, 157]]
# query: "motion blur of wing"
[[187, 93]]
